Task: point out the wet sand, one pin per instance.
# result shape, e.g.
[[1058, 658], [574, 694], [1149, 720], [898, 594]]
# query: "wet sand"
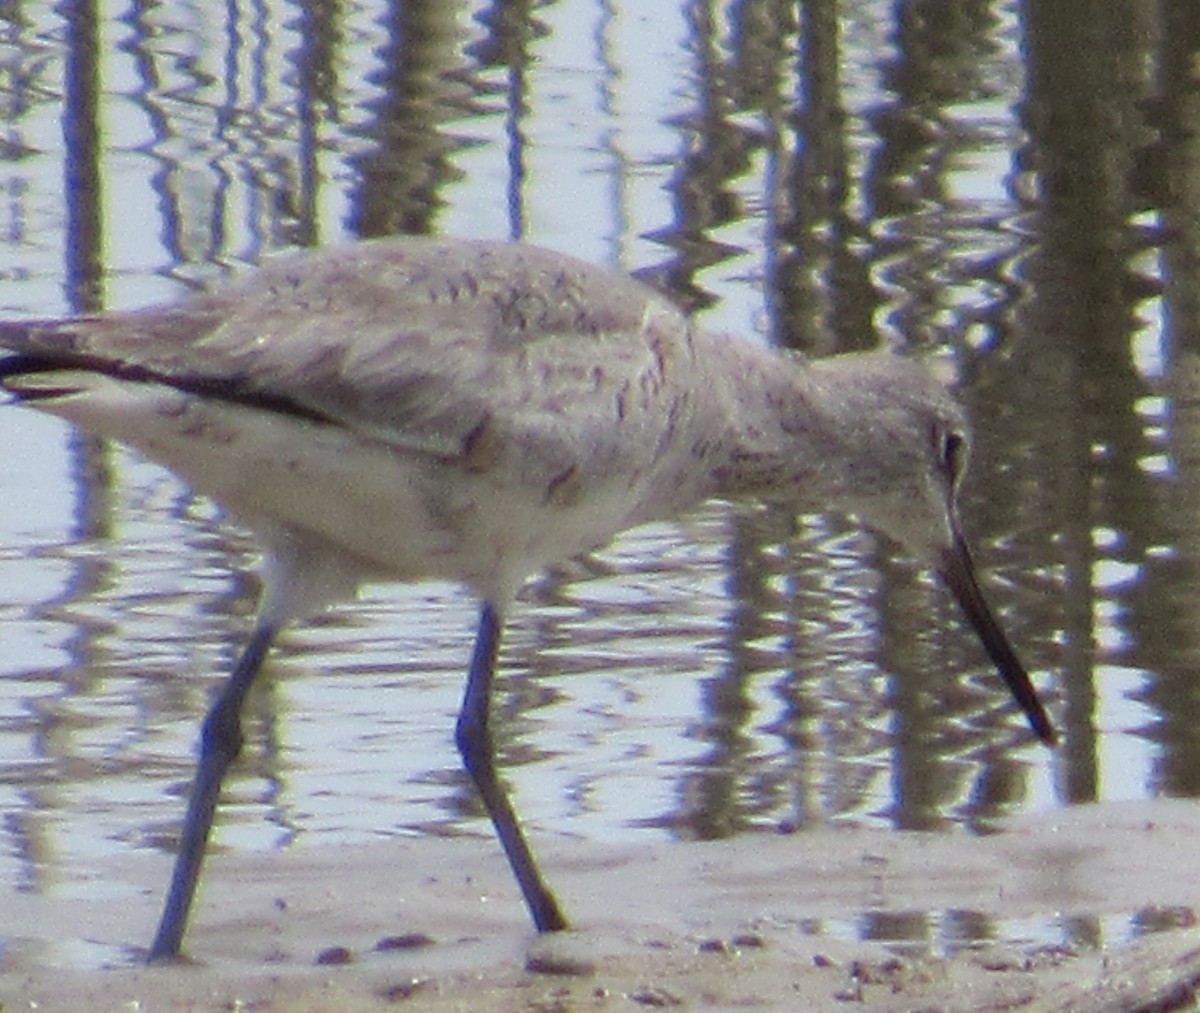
[[437, 925]]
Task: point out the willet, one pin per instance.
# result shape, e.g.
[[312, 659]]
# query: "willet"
[[412, 408]]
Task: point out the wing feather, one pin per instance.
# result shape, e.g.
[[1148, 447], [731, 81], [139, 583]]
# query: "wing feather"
[[416, 343]]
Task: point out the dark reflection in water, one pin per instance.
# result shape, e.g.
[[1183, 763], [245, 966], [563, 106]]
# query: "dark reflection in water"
[[1010, 189]]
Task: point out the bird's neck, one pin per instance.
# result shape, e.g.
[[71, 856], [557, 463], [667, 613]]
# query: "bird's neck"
[[772, 437]]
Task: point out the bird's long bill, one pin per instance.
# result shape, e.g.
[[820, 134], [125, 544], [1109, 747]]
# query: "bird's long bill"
[[957, 570]]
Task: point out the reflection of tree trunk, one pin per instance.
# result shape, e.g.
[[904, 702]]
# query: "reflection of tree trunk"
[[82, 151], [58, 739], [1170, 598], [401, 179], [820, 292], [1075, 372]]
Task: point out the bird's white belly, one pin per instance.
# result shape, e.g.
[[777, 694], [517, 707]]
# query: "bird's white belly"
[[391, 514]]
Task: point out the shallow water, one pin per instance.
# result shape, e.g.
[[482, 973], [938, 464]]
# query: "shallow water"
[[931, 182]]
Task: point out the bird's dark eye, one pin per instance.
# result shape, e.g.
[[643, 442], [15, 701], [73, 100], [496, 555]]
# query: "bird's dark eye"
[[951, 449]]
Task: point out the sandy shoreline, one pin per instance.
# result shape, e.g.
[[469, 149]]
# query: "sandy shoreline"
[[754, 923]]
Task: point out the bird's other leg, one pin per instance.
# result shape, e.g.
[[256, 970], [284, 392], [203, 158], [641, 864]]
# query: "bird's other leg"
[[475, 745], [220, 743]]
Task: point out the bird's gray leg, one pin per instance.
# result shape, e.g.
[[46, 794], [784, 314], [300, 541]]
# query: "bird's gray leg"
[[220, 743], [475, 745]]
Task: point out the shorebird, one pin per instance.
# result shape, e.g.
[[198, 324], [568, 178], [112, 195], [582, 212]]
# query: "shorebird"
[[414, 408]]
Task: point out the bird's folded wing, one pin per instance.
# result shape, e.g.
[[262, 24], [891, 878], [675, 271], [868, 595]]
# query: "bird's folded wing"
[[420, 344]]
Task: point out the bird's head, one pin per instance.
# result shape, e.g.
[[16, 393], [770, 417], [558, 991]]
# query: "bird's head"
[[902, 444]]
